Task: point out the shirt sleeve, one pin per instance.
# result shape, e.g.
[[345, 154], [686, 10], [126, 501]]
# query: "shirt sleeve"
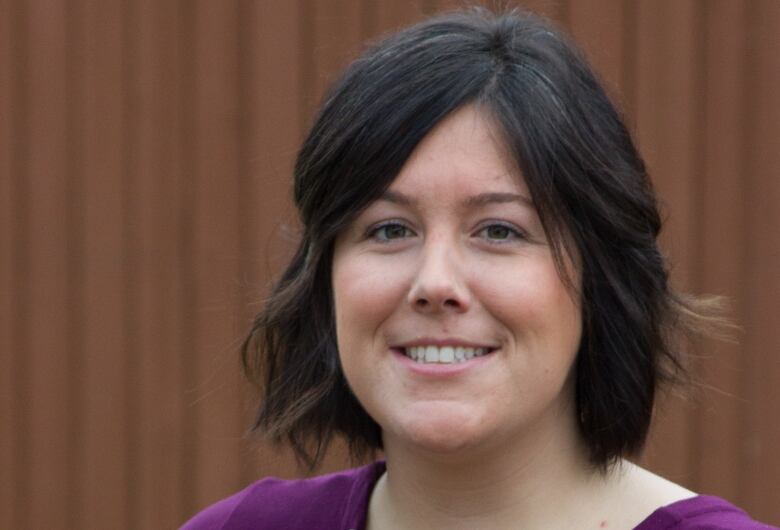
[[703, 512]]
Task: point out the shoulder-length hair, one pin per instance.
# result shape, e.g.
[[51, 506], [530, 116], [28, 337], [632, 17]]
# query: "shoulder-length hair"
[[588, 184]]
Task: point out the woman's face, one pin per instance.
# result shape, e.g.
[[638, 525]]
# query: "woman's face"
[[452, 266]]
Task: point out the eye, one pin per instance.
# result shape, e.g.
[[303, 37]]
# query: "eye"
[[499, 233], [389, 231]]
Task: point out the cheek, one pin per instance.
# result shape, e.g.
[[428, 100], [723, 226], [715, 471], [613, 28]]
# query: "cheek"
[[532, 302], [366, 293]]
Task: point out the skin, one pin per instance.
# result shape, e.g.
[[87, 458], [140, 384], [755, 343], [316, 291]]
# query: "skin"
[[494, 445]]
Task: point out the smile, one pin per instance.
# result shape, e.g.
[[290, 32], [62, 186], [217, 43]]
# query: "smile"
[[444, 354]]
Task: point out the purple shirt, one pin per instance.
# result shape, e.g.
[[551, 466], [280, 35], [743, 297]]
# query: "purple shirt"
[[339, 501]]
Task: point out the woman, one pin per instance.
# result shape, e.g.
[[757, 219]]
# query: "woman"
[[478, 293]]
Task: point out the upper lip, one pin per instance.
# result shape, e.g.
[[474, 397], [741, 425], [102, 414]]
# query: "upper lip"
[[429, 341]]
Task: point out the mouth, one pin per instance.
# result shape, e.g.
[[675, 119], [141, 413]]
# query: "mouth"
[[431, 354]]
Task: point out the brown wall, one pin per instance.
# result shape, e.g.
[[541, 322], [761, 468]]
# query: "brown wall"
[[145, 152]]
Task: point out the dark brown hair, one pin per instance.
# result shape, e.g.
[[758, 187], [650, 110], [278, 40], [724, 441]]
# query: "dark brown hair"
[[585, 176]]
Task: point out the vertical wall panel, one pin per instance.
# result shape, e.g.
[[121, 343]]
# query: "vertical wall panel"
[[215, 252], [335, 38], [158, 391], [762, 281], [106, 431], [270, 138], [74, 171], [666, 110], [597, 26], [7, 316], [47, 292], [431, 7], [719, 247], [391, 16], [186, 296], [131, 258], [18, 115]]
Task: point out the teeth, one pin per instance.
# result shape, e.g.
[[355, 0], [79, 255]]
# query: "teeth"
[[443, 355]]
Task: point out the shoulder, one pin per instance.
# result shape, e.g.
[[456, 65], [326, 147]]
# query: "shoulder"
[[663, 505], [703, 512], [327, 501]]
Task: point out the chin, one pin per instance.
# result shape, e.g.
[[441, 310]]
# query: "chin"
[[442, 436]]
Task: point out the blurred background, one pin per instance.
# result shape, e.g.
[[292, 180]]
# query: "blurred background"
[[145, 156]]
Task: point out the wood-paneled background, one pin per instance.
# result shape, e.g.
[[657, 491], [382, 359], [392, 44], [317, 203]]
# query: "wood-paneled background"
[[145, 154]]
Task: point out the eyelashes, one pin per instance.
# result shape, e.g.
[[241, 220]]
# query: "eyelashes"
[[493, 232], [503, 232], [388, 231]]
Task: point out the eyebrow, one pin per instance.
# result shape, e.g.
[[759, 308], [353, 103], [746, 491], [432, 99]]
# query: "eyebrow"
[[474, 201]]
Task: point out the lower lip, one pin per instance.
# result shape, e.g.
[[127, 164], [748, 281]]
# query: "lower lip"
[[441, 370]]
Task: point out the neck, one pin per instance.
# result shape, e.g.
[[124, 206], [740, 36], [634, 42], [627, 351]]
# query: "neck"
[[522, 484]]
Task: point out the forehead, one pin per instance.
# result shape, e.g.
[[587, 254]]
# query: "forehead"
[[464, 153]]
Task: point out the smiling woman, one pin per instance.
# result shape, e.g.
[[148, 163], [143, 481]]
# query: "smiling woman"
[[460, 273], [478, 293]]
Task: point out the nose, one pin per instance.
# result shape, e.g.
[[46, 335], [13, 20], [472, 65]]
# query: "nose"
[[439, 284]]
